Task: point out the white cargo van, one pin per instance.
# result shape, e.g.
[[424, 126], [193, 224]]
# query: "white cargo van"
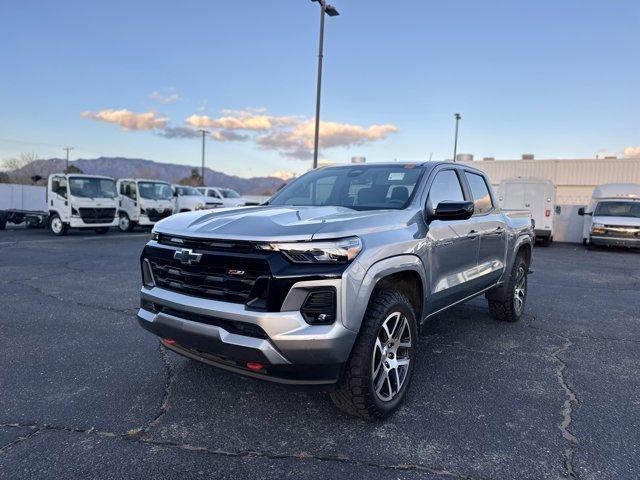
[[537, 195], [612, 218], [227, 196], [143, 202], [189, 199], [68, 201]]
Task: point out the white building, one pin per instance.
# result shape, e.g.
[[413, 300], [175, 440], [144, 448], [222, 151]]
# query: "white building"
[[574, 179]]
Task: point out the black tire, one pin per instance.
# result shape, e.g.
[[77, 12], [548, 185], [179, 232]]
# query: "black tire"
[[545, 241], [511, 310], [124, 223], [101, 230], [57, 226], [3, 221], [585, 242], [356, 394]]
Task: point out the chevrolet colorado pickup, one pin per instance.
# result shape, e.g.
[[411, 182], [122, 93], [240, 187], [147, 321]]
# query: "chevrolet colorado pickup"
[[329, 282]]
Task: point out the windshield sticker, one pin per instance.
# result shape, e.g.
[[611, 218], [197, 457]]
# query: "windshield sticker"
[[397, 176]]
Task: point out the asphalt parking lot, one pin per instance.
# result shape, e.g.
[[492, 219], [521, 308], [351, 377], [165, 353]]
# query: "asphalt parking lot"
[[86, 393]]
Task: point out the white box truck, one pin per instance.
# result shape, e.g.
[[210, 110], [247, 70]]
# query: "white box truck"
[[68, 201], [143, 202], [612, 218], [537, 195]]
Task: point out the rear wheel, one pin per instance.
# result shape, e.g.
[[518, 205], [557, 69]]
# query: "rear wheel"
[[380, 368], [101, 230], [512, 308], [124, 223], [57, 226], [3, 221]]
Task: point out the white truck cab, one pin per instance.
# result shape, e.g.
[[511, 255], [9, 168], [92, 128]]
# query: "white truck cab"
[[143, 202], [538, 195], [612, 218], [81, 201], [226, 196], [189, 199]]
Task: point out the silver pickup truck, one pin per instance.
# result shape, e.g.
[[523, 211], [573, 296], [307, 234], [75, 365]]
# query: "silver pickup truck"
[[329, 282]]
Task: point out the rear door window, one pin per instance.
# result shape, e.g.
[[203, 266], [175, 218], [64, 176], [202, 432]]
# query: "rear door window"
[[482, 202]]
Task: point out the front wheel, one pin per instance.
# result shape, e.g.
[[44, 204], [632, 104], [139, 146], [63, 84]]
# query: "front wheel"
[[512, 308], [380, 368], [57, 226], [125, 224]]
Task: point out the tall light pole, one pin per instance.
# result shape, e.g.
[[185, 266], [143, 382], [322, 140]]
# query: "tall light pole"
[[455, 141], [204, 132], [330, 10], [67, 150]]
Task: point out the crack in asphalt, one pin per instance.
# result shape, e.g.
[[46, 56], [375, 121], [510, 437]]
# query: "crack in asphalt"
[[20, 439], [243, 453], [170, 377], [74, 302], [570, 398]]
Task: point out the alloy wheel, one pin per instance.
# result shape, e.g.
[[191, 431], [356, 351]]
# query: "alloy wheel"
[[520, 290], [390, 360], [56, 225]]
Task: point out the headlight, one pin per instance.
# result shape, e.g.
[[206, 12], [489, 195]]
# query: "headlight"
[[199, 206], [155, 236], [330, 251], [597, 228]]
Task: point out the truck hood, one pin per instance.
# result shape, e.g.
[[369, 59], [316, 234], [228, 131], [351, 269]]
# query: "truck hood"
[[617, 221], [281, 223]]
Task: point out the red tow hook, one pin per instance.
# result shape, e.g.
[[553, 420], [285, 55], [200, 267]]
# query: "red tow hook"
[[255, 366], [168, 341]]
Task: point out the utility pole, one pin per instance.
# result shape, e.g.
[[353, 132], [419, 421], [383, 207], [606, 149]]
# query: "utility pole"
[[455, 141], [204, 132], [67, 149], [330, 10]]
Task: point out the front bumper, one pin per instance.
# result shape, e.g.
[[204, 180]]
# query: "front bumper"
[[77, 222], [290, 350], [615, 241]]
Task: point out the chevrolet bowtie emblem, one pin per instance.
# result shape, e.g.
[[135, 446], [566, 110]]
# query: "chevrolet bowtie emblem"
[[187, 256]]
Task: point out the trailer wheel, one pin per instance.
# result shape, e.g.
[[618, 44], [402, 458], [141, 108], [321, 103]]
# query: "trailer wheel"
[[57, 226], [101, 230], [3, 220], [125, 224]]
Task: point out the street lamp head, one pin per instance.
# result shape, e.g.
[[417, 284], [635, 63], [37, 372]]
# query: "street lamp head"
[[331, 11], [458, 116]]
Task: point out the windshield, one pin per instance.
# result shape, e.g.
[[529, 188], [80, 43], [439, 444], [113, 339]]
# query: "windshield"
[[228, 193], [359, 187], [187, 191], [154, 190], [92, 187], [618, 209]]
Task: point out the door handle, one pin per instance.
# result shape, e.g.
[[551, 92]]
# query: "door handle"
[[472, 235]]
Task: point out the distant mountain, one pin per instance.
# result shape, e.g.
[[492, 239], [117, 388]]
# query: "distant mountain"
[[120, 167]]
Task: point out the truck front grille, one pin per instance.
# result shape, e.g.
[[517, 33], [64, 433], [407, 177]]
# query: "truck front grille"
[[622, 232], [217, 276], [97, 215], [157, 215]]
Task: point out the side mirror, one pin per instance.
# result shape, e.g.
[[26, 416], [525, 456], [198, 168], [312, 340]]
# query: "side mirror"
[[558, 209], [581, 211], [451, 210]]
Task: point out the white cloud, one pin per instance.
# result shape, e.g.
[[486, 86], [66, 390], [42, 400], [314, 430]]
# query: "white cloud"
[[170, 96], [290, 135], [129, 120], [284, 175], [632, 151]]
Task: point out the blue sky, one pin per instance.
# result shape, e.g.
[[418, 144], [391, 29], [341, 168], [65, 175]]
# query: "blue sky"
[[552, 77]]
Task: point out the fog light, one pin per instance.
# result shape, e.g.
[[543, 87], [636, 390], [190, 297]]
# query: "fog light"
[[319, 308]]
